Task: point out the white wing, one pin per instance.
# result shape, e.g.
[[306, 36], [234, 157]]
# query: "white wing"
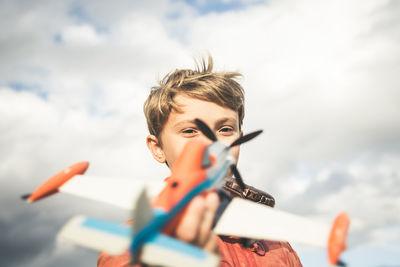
[[244, 218], [119, 192]]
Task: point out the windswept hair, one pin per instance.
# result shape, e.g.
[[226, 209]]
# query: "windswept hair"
[[202, 83]]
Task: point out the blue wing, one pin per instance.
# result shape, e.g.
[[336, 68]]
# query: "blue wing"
[[115, 238]]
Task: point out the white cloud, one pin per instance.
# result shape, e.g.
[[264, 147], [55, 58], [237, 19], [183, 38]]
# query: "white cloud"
[[81, 35], [321, 80]]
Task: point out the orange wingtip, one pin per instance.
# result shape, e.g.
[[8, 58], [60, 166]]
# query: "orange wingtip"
[[337, 237], [51, 186]]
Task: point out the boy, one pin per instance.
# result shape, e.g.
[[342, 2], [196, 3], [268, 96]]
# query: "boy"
[[171, 108]]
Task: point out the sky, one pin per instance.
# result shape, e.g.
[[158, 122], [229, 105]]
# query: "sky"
[[321, 80]]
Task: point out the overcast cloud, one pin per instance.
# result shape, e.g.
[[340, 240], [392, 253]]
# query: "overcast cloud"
[[321, 79]]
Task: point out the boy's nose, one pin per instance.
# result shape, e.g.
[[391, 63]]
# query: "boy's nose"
[[206, 139]]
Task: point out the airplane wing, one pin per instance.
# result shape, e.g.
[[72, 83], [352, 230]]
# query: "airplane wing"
[[119, 192], [110, 237], [269, 223], [172, 252], [244, 218], [115, 238]]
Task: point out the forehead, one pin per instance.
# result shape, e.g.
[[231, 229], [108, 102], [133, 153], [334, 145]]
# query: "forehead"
[[191, 108]]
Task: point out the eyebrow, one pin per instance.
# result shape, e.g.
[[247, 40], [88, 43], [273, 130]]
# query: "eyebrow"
[[223, 121], [182, 123]]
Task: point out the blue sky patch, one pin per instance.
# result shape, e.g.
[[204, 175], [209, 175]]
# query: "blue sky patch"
[[79, 13], [81, 16], [34, 88], [58, 39], [209, 6]]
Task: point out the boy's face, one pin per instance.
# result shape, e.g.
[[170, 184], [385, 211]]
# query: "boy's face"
[[180, 128]]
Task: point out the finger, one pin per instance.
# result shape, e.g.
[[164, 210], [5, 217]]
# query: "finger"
[[188, 228], [212, 244], [211, 206]]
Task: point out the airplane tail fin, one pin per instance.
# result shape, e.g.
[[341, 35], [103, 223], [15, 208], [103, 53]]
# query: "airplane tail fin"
[[143, 212], [142, 215]]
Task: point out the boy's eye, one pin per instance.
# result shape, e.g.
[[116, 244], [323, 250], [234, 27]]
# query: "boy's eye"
[[189, 131], [226, 130]]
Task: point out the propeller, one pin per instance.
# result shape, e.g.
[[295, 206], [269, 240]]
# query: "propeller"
[[245, 138], [203, 127], [238, 177], [205, 130], [210, 134]]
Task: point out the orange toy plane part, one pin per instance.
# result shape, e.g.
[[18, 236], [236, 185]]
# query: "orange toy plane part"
[[51, 185], [183, 178], [337, 237]]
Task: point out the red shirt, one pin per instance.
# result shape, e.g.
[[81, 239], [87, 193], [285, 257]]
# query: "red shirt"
[[233, 253], [263, 253]]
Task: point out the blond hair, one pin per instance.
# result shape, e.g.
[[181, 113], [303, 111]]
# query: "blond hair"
[[218, 87]]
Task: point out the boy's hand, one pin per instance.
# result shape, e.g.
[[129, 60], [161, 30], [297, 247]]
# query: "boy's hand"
[[196, 224]]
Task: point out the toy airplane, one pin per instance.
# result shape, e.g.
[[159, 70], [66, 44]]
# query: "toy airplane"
[[199, 168]]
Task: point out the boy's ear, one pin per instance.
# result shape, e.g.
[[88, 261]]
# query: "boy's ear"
[[154, 146]]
